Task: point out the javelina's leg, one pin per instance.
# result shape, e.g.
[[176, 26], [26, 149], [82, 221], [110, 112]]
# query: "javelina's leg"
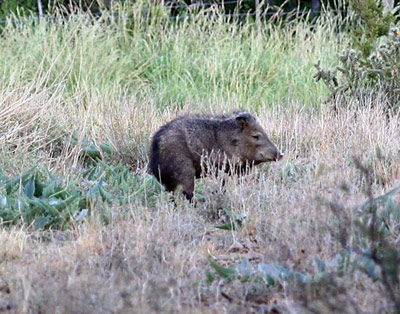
[[187, 181], [168, 179], [188, 189], [170, 186]]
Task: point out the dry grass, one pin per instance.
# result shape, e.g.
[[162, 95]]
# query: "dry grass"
[[154, 258]]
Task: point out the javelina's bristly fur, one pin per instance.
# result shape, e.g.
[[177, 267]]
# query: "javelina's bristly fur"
[[178, 146]]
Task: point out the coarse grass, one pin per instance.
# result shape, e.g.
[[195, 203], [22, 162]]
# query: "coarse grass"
[[117, 84], [201, 59], [154, 257], [80, 74]]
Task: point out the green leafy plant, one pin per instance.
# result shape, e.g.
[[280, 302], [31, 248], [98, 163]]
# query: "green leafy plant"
[[90, 151], [235, 221], [122, 184], [371, 67], [277, 275], [39, 198], [369, 22]]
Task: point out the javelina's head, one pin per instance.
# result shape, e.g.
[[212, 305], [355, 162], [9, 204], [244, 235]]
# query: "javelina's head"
[[252, 142]]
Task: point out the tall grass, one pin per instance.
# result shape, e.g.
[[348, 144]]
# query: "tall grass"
[[201, 59], [107, 78]]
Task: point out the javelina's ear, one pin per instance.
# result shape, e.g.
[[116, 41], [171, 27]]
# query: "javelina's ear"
[[242, 120]]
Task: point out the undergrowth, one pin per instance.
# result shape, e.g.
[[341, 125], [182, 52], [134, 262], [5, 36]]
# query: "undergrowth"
[[368, 244]]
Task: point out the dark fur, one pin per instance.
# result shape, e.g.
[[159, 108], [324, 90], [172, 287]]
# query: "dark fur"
[[178, 147]]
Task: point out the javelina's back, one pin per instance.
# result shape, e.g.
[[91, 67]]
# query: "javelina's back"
[[178, 146]]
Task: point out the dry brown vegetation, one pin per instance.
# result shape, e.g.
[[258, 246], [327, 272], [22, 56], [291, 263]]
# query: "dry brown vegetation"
[[154, 258]]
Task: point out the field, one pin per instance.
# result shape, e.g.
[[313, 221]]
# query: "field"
[[298, 243]]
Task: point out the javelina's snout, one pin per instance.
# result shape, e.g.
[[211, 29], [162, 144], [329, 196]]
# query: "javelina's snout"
[[271, 156], [268, 151]]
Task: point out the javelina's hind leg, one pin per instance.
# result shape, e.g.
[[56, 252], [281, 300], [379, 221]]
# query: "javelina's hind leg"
[[187, 181]]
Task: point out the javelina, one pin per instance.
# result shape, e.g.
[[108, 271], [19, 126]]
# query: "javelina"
[[178, 147]]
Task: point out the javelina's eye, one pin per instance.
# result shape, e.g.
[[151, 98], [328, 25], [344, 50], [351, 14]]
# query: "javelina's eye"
[[256, 137]]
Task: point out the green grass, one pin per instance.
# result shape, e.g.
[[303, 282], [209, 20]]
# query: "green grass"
[[200, 59]]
